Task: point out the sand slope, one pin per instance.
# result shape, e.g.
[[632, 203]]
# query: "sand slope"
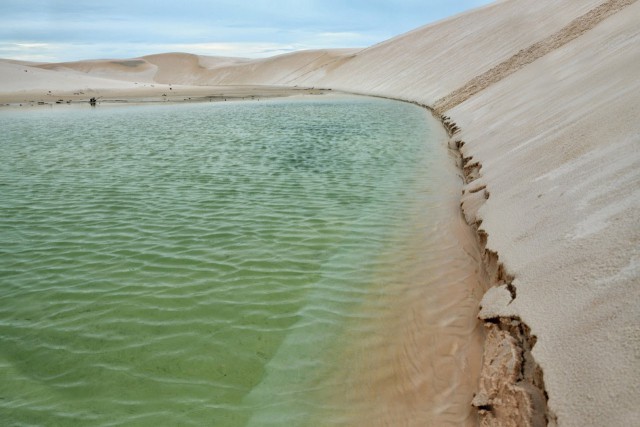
[[559, 143], [278, 70], [547, 98], [432, 61], [18, 78]]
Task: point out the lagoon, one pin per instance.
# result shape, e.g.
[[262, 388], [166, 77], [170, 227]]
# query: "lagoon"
[[240, 263]]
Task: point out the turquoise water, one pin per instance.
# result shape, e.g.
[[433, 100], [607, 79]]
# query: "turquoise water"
[[193, 264]]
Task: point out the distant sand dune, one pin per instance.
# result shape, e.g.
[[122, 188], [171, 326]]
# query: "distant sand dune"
[[127, 70]]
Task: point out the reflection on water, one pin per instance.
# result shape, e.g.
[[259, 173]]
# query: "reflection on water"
[[232, 264]]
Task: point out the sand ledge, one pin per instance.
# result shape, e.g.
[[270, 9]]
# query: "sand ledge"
[[511, 390]]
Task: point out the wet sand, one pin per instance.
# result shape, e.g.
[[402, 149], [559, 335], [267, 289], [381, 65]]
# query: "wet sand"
[[155, 93], [420, 362]]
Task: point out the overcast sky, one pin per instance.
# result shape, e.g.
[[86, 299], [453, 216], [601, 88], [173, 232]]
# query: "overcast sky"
[[64, 30]]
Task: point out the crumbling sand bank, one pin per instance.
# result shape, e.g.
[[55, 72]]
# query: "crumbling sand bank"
[[511, 390]]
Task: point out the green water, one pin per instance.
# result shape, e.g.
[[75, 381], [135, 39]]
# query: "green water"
[[190, 264]]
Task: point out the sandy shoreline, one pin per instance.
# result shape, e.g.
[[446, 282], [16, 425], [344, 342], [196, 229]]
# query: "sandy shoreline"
[[156, 93], [545, 121]]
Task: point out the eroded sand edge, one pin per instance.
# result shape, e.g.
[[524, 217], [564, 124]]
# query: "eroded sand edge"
[[511, 390]]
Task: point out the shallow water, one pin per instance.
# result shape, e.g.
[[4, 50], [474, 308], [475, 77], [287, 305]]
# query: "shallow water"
[[294, 262]]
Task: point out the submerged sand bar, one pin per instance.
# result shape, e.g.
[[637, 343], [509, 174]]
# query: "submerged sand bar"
[[542, 100]]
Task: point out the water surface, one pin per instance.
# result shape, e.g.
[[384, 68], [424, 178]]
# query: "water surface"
[[216, 264]]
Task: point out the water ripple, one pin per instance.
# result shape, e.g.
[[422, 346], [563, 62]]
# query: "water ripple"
[[200, 264]]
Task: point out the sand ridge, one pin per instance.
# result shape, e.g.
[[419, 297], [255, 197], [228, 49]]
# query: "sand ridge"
[[526, 56]]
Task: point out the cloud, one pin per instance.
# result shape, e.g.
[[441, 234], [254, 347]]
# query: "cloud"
[[63, 52], [80, 29], [31, 45], [243, 50]]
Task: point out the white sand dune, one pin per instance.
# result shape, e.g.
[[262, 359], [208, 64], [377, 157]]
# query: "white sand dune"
[[196, 70], [546, 95], [131, 70], [22, 78], [153, 77], [279, 70]]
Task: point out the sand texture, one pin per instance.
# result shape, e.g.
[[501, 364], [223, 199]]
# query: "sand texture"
[[541, 99]]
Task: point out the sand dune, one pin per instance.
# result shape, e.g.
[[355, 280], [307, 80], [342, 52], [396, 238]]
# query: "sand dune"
[[279, 70], [169, 76], [22, 82], [134, 70], [197, 70], [544, 96], [134, 80], [179, 68]]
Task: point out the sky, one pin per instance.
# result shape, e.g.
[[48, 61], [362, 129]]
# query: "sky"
[[67, 30]]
